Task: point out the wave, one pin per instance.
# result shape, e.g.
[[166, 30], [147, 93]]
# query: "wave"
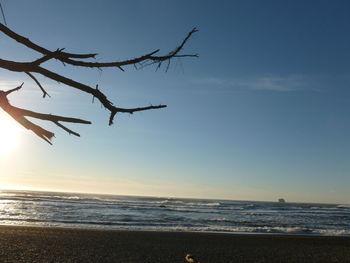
[[187, 203], [343, 206], [171, 214]]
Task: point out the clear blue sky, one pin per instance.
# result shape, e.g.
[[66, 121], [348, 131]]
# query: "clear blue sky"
[[262, 114]]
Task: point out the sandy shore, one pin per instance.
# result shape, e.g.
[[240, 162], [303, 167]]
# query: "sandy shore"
[[39, 244]]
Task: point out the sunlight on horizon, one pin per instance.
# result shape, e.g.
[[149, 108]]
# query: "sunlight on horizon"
[[9, 136]]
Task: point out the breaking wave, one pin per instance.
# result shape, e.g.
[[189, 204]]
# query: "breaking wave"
[[171, 214]]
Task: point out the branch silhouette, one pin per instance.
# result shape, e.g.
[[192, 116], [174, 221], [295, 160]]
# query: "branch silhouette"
[[20, 116], [37, 67]]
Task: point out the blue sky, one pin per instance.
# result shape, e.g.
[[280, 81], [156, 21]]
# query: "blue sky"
[[262, 114]]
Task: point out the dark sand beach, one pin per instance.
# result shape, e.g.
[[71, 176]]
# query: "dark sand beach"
[[42, 244]]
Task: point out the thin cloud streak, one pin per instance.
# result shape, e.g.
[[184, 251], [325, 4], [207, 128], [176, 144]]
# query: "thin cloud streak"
[[274, 83], [271, 82]]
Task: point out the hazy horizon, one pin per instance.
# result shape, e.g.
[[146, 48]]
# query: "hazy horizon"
[[156, 196]]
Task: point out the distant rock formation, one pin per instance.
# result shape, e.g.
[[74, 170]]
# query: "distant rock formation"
[[281, 200]]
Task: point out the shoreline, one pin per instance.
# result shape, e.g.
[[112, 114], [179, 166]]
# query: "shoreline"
[[59, 244], [175, 231]]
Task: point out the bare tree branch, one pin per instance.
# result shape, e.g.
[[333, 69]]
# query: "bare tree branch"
[[37, 67], [31, 45], [67, 57], [19, 115]]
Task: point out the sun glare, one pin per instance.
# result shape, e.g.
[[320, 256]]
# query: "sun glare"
[[9, 136]]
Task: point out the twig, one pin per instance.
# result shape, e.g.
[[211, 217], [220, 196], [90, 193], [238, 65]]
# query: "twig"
[[38, 83], [3, 14]]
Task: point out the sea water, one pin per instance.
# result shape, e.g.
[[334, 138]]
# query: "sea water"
[[171, 214]]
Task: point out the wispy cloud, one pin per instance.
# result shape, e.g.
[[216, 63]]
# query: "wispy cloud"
[[271, 82], [210, 81], [274, 83]]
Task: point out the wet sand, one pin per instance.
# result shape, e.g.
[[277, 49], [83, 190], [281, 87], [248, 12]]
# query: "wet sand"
[[42, 244]]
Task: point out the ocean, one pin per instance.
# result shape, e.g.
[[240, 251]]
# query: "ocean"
[[29, 208]]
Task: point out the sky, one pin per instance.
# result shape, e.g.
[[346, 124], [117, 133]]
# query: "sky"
[[263, 113]]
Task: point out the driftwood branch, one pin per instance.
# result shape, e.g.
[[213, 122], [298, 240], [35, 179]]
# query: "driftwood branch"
[[37, 67]]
